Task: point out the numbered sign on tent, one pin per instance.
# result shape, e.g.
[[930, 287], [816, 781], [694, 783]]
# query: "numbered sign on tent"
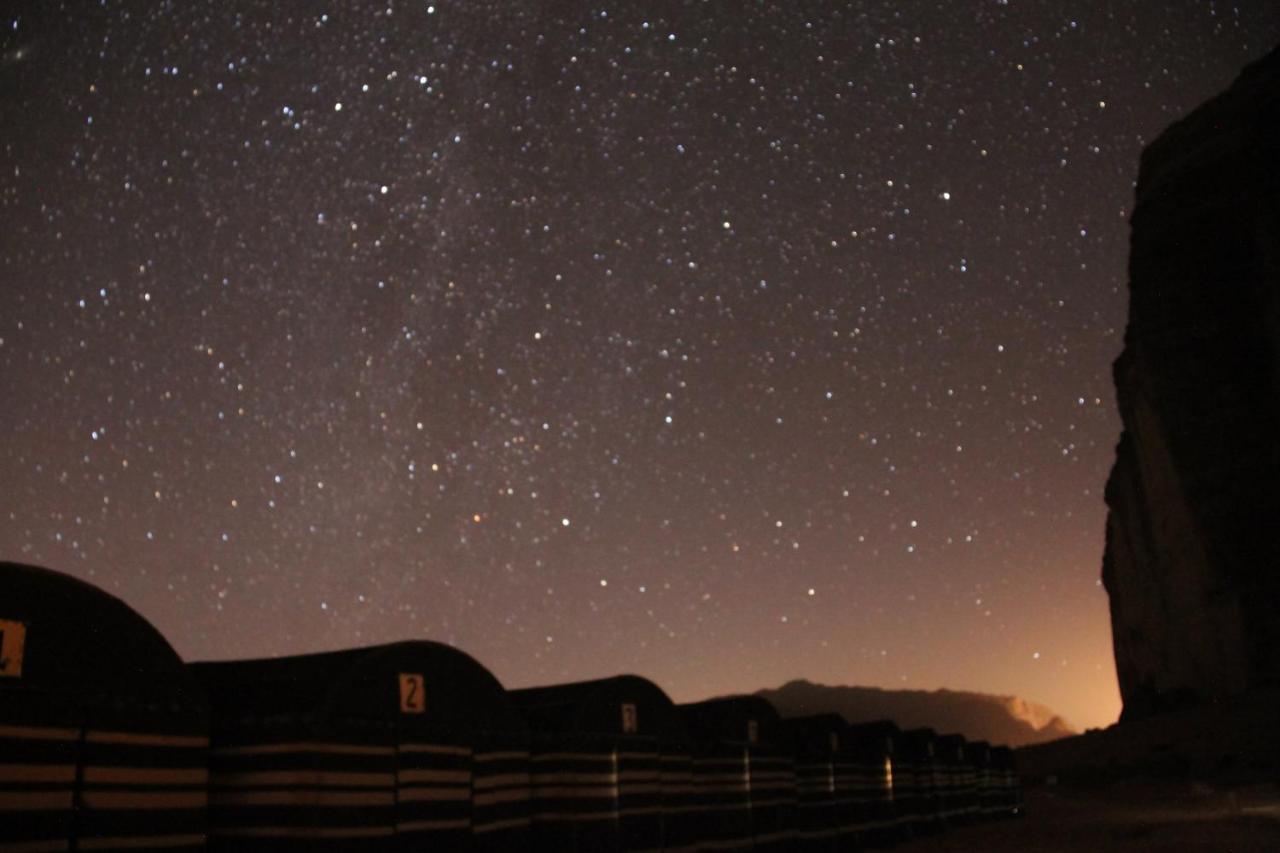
[[630, 719], [13, 638], [412, 698]]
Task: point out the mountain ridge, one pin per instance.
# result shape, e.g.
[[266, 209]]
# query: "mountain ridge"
[[1009, 720]]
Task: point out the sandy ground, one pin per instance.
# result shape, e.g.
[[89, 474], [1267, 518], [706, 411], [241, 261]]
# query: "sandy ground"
[[1153, 817]]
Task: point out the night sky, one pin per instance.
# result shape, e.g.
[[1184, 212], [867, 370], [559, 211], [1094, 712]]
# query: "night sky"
[[723, 343]]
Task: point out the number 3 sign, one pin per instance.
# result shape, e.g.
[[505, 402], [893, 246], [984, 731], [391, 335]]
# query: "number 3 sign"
[[412, 698]]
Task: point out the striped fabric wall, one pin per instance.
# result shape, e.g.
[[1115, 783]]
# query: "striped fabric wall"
[[946, 780], [962, 784], [970, 805], [117, 787], [1005, 794], [283, 794], [500, 818], [362, 792], [130, 778], [854, 796], [574, 794], [988, 793], [905, 804], [114, 788], [865, 799], [142, 788], [978, 754], [433, 790], [639, 795], [939, 788], [38, 771], [721, 799], [680, 814], [913, 788], [1010, 794], [772, 782], [818, 816]]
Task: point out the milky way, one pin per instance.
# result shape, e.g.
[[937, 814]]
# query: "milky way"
[[721, 343]]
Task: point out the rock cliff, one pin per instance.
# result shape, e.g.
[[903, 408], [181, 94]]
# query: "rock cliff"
[[1192, 561]]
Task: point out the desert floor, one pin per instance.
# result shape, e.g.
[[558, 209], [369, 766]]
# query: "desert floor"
[[1153, 817]]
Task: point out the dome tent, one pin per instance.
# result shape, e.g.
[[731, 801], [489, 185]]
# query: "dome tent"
[[883, 781], [959, 796], [744, 772], [389, 747], [922, 801], [599, 706], [978, 753], [607, 755], [104, 733], [1004, 771], [824, 817]]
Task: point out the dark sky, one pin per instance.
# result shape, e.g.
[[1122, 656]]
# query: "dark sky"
[[719, 342]]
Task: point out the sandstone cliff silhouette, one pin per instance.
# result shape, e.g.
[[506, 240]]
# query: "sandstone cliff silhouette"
[[1192, 561]]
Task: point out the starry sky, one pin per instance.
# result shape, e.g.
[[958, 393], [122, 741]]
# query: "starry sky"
[[724, 343]]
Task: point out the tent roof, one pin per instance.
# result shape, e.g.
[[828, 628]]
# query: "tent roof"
[[727, 719], [876, 728], [82, 642], [950, 747], [416, 682], [595, 707], [815, 730], [816, 723], [978, 751], [918, 743]]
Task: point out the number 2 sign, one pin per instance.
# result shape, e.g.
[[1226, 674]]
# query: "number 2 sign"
[[412, 697]]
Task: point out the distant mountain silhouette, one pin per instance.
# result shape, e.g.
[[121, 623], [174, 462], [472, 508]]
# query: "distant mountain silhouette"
[[978, 716]]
